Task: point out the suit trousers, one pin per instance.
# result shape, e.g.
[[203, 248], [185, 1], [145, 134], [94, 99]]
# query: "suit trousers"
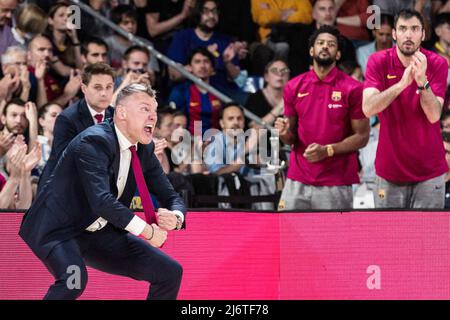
[[113, 251]]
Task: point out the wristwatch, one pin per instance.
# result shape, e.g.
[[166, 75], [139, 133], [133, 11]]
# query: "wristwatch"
[[330, 150], [425, 86], [179, 222]]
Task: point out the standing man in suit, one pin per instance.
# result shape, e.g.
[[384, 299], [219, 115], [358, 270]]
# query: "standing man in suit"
[[97, 87], [76, 220]]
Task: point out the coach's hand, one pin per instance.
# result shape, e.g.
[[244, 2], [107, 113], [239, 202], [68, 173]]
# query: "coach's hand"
[[154, 235], [167, 220]]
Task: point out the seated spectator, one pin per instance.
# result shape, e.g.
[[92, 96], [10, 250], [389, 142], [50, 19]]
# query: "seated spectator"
[[169, 133], [424, 7], [235, 20], [226, 54], [7, 8], [135, 68], [269, 14], [6, 142], [30, 21], [226, 156], [351, 20], [47, 116], [268, 103], [183, 161], [65, 43], [126, 18], [20, 118], [14, 68], [394, 6], [44, 85], [15, 182], [195, 102], [179, 120], [94, 50], [442, 30], [162, 18], [382, 40], [259, 55], [8, 84]]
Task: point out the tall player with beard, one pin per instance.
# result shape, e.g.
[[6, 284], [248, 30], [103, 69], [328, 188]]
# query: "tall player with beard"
[[405, 86], [326, 126]]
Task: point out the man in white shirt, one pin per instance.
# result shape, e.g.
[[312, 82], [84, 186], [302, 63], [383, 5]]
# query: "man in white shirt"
[[77, 219], [97, 87]]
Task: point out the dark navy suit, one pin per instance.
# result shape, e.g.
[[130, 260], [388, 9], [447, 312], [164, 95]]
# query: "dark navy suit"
[[68, 124], [83, 188]]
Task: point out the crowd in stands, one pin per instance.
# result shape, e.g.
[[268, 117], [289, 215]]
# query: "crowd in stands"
[[56, 80]]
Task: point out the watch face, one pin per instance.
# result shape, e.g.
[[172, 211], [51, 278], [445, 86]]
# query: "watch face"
[[179, 224]]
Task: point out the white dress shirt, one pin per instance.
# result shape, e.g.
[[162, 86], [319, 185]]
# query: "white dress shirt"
[[94, 113], [136, 225]]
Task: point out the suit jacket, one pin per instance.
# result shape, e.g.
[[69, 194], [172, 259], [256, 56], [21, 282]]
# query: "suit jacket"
[[69, 123], [83, 188]]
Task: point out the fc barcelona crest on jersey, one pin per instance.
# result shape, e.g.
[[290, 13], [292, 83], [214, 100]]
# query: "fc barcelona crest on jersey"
[[336, 96], [216, 104]]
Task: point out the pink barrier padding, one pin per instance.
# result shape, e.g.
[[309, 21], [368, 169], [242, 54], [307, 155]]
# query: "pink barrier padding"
[[224, 256], [227, 255], [404, 255]]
